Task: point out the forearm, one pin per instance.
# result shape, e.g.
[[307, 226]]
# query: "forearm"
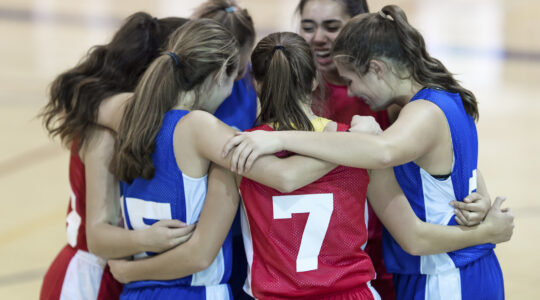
[[342, 148], [111, 241]]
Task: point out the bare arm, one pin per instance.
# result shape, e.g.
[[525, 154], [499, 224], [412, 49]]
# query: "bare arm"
[[284, 175], [415, 132], [421, 238], [202, 248], [105, 237], [111, 111]]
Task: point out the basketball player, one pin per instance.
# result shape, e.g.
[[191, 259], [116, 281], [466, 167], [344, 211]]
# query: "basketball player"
[[75, 96], [433, 145]]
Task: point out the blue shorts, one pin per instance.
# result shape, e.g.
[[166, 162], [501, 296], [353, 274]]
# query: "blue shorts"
[[481, 279], [218, 292]]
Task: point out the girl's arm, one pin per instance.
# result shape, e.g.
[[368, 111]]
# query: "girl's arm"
[[201, 249], [421, 238], [474, 208], [285, 175], [414, 132], [105, 237]]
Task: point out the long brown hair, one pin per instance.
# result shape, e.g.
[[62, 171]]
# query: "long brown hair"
[[388, 35], [231, 16], [283, 64], [106, 70], [197, 50]]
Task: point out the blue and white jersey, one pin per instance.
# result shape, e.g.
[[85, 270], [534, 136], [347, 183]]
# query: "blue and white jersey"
[[429, 197], [170, 194], [239, 110]]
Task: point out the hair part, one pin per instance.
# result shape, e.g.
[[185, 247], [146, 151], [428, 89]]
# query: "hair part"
[[201, 48], [388, 36], [238, 21], [352, 7], [106, 70], [283, 63]]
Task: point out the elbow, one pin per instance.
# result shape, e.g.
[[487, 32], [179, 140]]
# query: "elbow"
[[202, 261], [286, 183], [384, 158]]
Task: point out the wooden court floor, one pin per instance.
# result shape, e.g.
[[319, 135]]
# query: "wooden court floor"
[[491, 45]]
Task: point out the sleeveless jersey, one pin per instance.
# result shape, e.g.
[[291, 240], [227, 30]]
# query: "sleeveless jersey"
[[171, 195], [75, 272], [308, 243], [239, 110], [429, 196]]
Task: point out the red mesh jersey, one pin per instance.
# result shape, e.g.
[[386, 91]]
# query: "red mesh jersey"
[[76, 214], [308, 243]]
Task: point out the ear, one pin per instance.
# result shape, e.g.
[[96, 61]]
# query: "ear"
[[377, 67]]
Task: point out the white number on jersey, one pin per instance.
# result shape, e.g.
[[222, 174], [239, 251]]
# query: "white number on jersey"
[[138, 210], [319, 207], [473, 182], [73, 221]]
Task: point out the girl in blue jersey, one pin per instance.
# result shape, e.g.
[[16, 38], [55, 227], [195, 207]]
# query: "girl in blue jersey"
[[166, 141], [433, 145]]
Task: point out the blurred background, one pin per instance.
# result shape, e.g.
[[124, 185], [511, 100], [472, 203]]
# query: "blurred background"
[[491, 45]]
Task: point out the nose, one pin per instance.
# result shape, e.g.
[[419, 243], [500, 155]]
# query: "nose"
[[319, 36]]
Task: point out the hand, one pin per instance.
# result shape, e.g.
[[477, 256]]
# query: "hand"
[[165, 234], [472, 210], [119, 269], [500, 222], [365, 124], [249, 146]]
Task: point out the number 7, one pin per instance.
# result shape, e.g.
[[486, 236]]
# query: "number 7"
[[320, 208]]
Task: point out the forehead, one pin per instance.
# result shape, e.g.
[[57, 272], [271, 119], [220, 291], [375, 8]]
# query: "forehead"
[[324, 10]]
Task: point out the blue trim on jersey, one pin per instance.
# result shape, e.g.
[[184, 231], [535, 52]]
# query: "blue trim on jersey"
[[239, 110], [465, 147], [175, 292]]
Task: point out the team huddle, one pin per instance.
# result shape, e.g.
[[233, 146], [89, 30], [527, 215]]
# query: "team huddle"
[[337, 163]]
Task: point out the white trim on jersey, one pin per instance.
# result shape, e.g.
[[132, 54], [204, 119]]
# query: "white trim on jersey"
[[444, 286], [195, 194], [248, 247], [373, 291], [437, 195], [83, 277], [211, 275], [217, 292]]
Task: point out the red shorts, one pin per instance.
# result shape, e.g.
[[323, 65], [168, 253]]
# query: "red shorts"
[[77, 274]]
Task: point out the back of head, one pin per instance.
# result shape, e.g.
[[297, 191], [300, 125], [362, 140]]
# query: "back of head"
[[388, 36], [106, 70], [283, 67], [231, 16], [196, 51], [352, 7]]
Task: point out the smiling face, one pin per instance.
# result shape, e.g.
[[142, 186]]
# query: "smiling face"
[[373, 86], [321, 22]]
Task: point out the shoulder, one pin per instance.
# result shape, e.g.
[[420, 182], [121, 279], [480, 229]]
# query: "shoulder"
[[421, 109]]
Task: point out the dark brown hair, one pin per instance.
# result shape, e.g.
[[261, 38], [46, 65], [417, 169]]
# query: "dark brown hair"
[[283, 64], [237, 20], [352, 7], [106, 70], [196, 51], [388, 35]]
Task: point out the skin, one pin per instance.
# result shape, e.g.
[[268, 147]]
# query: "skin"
[[321, 21], [386, 196]]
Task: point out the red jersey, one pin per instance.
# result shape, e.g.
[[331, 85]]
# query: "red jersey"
[[339, 107], [308, 243], [76, 273]]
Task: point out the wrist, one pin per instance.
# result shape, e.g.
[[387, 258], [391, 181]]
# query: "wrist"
[[140, 240]]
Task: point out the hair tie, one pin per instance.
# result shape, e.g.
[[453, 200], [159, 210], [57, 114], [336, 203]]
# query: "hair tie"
[[385, 16], [230, 9], [278, 47], [174, 57]]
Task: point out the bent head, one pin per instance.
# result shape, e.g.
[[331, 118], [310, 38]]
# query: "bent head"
[[321, 22], [235, 19], [106, 70], [285, 76], [196, 70], [382, 56]]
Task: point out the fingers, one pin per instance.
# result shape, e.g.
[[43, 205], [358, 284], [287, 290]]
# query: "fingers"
[[251, 159], [233, 142], [180, 240], [472, 198], [171, 223], [498, 202], [238, 154], [180, 232], [473, 207], [461, 219]]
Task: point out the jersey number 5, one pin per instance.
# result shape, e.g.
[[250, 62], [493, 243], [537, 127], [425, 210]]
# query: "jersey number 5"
[[319, 207]]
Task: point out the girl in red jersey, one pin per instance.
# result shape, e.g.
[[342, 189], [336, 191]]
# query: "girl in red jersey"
[[300, 256], [108, 71]]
